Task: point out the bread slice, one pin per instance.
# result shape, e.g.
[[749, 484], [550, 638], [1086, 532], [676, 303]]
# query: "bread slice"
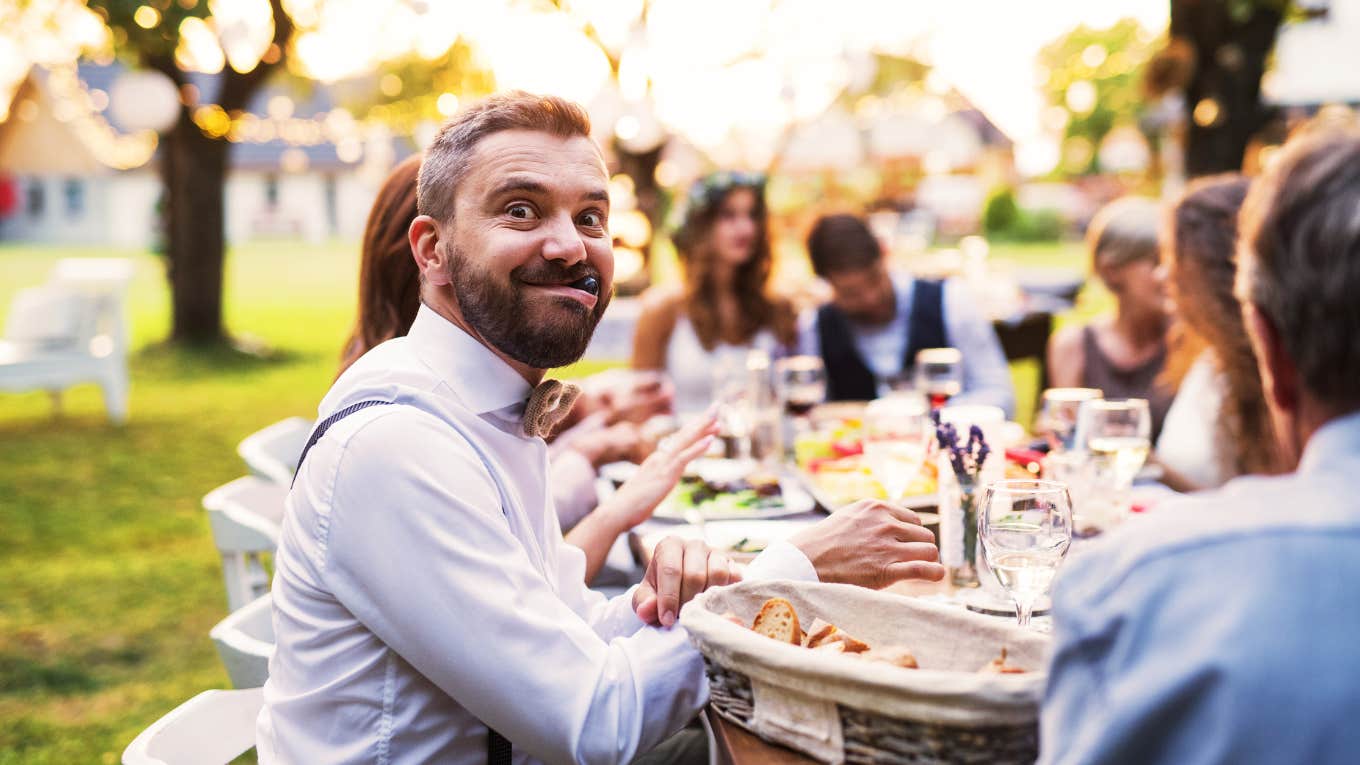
[[852, 645], [998, 666], [835, 646], [820, 632], [778, 620], [896, 655]]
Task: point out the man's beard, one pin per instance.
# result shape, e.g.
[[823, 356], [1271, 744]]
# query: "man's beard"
[[503, 314]]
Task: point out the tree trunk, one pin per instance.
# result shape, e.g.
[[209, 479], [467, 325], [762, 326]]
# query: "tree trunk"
[[193, 171], [1229, 59]]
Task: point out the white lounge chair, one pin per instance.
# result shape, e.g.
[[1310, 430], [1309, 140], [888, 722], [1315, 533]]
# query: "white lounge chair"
[[245, 641], [272, 452], [212, 728], [245, 516], [71, 331]]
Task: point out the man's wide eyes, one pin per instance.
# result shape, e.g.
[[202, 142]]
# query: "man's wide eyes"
[[520, 212], [592, 219]]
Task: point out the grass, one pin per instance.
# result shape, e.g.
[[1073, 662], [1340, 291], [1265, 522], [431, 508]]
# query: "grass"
[[111, 580]]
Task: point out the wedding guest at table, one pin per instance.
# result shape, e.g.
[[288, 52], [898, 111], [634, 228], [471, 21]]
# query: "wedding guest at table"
[[425, 606], [724, 307], [1218, 426], [1221, 628], [878, 320], [607, 430], [1122, 354]]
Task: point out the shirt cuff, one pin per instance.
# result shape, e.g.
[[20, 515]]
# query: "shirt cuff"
[[781, 560]]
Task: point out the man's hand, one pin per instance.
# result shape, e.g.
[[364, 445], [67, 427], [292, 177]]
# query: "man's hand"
[[871, 543], [635, 500], [680, 569]]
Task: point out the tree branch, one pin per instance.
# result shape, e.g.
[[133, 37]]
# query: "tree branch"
[[237, 88]]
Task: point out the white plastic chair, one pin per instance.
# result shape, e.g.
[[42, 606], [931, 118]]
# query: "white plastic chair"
[[71, 331], [212, 728], [272, 452], [245, 641], [245, 516]]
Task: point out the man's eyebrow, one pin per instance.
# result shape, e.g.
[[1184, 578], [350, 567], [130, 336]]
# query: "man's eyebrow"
[[520, 183], [597, 195]]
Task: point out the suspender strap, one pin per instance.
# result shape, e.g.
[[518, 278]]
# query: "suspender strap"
[[326, 424], [497, 746]]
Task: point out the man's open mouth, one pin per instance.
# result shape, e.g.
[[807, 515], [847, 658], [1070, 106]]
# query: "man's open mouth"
[[585, 290]]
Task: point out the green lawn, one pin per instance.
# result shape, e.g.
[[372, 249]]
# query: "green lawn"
[[111, 580]]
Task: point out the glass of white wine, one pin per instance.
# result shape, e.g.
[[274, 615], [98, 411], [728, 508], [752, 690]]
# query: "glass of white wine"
[[1025, 527], [1116, 433], [897, 433]]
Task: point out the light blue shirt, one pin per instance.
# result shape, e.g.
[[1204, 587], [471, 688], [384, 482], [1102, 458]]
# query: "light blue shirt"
[[422, 587], [1225, 628], [986, 376]]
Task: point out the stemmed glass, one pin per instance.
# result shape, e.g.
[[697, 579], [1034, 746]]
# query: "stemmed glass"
[[939, 374], [897, 432], [1057, 419], [800, 382], [1025, 527], [1117, 433]]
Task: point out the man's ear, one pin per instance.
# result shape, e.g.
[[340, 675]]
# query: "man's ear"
[[424, 236], [1279, 373]]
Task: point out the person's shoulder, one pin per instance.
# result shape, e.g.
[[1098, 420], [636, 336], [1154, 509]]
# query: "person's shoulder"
[[1244, 511], [663, 299], [1067, 339]]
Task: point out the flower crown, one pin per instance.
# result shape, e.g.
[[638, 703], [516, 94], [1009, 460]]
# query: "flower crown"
[[713, 186]]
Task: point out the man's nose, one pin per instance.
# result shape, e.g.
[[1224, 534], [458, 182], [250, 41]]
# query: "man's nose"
[[562, 241]]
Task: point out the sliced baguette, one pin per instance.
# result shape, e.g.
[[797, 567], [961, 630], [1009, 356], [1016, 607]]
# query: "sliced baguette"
[[820, 632], [896, 655], [778, 620]]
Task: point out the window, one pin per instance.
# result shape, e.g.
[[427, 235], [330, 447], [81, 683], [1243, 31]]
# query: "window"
[[75, 197], [36, 199]]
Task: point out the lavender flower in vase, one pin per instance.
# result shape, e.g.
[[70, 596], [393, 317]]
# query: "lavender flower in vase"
[[966, 462]]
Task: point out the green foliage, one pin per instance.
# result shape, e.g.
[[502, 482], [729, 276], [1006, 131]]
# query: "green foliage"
[[1116, 76], [160, 39], [1004, 220], [422, 82], [1001, 212]]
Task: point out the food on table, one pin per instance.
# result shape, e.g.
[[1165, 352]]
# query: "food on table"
[[999, 666], [896, 655], [728, 497], [778, 620], [833, 459]]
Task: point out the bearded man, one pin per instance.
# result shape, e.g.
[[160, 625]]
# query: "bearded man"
[[426, 608]]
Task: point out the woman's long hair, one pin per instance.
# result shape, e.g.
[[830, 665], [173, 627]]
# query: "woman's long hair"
[[389, 281], [1200, 258], [693, 240]]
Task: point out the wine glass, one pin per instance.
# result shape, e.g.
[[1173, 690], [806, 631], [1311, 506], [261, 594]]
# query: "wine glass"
[[939, 374], [1025, 527], [1117, 433], [800, 383], [741, 388], [897, 433], [1116, 436], [1057, 419]]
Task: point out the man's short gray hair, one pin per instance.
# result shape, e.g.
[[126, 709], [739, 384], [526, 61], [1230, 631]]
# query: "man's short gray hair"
[[1299, 260], [447, 159]]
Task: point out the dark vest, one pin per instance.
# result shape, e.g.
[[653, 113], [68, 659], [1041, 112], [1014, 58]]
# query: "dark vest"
[[848, 377]]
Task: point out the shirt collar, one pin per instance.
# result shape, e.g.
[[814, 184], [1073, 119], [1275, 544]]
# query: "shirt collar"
[[481, 379], [1339, 438]]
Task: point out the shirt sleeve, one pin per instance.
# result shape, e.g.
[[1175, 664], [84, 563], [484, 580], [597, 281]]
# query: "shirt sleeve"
[[807, 334], [418, 549], [571, 478], [986, 375]]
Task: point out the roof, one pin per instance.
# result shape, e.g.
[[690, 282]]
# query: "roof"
[[315, 101]]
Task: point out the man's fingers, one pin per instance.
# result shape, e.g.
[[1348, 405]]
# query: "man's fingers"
[[695, 578], [669, 563], [719, 570], [910, 532], [902, 514], [913, 569]]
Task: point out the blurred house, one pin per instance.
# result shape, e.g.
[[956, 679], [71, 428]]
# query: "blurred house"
[[303, 170]]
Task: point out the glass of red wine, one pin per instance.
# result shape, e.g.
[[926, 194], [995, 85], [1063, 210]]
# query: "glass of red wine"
[[800, 382], [939, 374]]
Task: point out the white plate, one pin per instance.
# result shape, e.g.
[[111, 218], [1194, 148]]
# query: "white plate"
[[796, 501]]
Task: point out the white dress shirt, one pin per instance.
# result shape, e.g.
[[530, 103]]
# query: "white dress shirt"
[[986, 376], [422, 586]]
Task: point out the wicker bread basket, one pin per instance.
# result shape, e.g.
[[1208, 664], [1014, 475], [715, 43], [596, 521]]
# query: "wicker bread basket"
[[838, 708]]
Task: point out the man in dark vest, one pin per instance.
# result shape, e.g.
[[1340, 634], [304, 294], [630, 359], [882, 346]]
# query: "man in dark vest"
[[877, 321]]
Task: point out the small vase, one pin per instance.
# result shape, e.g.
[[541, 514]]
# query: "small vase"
[[965, 574], [958, 525]]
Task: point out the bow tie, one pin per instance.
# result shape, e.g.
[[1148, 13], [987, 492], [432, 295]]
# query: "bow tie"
[[548, 404]]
